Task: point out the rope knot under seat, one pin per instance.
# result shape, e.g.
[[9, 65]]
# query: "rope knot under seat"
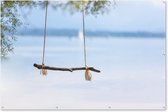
[[88, 74], [43, 71]]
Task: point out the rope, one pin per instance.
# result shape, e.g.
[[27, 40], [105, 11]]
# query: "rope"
[[88, 75], [44, 71], [44, 44], [83, 17]]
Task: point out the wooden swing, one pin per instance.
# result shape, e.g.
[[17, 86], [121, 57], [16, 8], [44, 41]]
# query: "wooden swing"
[[44, 68]]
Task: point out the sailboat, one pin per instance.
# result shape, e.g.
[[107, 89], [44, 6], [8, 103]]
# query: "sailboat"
[[80, 35]]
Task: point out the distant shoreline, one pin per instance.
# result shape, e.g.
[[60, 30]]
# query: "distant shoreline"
[[99, 33]]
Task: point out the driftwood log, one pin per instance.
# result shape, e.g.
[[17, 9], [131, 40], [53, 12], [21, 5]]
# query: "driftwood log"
[[65, 69]]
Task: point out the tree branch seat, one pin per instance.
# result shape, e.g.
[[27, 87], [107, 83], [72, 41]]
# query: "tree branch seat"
[[65, 69]]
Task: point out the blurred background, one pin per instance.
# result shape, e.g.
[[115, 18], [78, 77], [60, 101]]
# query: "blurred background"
[[124, 39]]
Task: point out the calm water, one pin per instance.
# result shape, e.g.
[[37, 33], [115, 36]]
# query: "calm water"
[[132, 74]]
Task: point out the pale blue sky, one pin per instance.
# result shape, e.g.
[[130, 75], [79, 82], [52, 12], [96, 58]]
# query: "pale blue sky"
[[127, 15]]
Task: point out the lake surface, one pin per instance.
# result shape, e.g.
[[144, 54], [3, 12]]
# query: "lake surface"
[[132, 74]]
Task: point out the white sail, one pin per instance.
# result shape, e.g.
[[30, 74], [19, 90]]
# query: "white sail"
[[80, 35]]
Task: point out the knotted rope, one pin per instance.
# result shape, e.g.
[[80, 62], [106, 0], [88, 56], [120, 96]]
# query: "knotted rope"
[[87, 71], [44, 71]]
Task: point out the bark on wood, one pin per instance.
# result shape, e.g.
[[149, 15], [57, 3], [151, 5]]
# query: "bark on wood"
[[65, 69]]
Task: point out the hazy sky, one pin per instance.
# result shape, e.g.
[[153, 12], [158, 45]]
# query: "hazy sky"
[[141, 15]]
